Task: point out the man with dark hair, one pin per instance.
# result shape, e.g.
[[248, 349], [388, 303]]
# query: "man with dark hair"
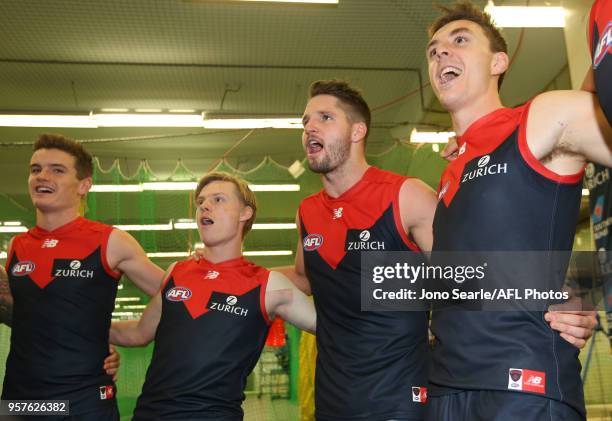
[[211, 318], [507, 365], [63, 276], [368, 363], [371, 365]]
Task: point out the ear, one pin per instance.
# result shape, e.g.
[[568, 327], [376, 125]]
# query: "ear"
[[358, 131], [84, 185], [246, 213], [499, 64]]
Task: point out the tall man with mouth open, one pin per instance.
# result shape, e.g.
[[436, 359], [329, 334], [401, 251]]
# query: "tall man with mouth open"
[[507, 365]]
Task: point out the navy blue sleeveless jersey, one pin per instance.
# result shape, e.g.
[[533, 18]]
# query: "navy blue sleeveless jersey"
[[498, 197], [600, 37], [368, 362], [64, 294], [212, 330]]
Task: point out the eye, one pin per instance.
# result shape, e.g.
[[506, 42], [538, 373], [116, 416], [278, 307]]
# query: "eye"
[[460, 39], [432, 52], [326, 117], [58, 171], [34, 170], [218, 199]]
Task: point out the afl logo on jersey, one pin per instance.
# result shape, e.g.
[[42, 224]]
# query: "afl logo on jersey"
[[313, 242], [604, 46], [178, 294], [23, 268]]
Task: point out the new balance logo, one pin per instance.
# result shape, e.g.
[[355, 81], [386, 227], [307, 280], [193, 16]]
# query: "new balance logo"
[[338, 213], [212, 274], [49, 243]]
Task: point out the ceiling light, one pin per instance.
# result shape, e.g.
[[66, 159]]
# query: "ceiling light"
[[294, 1], [526, 16], [25, 120], [430, 137], [147, 120], [181, 185], [274, 187], [253, 123], [181, 111], [13, 229], [12, 223], [268, 253], [106, 188], [145, 227], [585, 192], [169, 254], [114, 110], [148, 110], [122, 299]]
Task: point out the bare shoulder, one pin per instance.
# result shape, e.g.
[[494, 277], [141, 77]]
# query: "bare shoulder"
[[416, 187], [277, 280], [417, 201]]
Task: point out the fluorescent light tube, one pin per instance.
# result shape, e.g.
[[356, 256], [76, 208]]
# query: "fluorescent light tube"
[[430, 137], [13, 229], [253, 123], [526, 16]]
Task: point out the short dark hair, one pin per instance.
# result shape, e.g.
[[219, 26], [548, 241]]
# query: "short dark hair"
[[465, 10], [83, 162], [245, 194], [351, 99]]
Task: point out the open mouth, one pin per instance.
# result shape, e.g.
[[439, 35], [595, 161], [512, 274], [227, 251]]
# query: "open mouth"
[[44, 190], [449, 73], [206, 221], [313, 146]]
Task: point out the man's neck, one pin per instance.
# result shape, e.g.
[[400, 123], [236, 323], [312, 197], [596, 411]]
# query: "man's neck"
[[464, 117], [344, 177], [223, 252], [50, 221]]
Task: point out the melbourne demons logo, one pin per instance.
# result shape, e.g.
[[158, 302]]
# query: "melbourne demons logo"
[[313, 242], [178, 294], [604, 46], [23, 268]]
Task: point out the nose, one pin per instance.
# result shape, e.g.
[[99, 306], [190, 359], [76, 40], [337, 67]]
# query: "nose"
[[310, 127], [442, 49]]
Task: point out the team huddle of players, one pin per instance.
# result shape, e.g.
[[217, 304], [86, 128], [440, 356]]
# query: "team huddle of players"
[[209, 316]]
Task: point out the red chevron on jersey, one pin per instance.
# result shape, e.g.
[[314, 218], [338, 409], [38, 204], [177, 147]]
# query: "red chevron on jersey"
[[43, 250], [481, 138], [195, 285], [327, 220], [601, 18]]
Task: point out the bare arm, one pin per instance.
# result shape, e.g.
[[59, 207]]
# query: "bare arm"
[[127, 256], [297, 273], [565, 129], [137, 332], [6, 299], [285, 300], [417, 205]]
